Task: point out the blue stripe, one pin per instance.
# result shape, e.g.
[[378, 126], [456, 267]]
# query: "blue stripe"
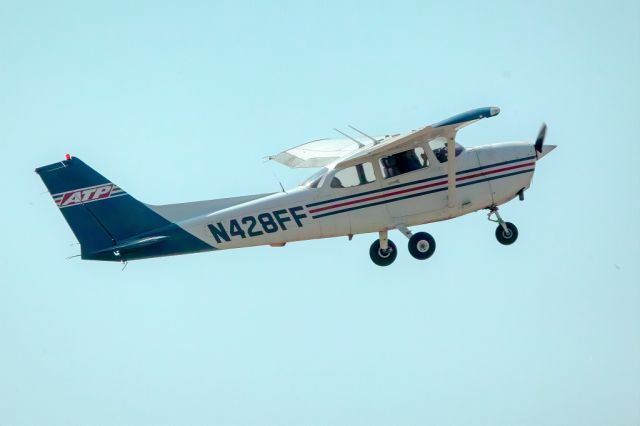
[[419, 194], [389, 188], [474, 114], [495, 165]]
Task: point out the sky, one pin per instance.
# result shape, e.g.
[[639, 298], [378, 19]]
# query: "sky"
[[181, 101]]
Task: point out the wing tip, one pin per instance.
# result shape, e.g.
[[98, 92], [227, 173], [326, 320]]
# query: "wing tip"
[[471, 115]]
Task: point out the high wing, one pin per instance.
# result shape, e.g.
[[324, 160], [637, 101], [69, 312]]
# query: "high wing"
[[446, 129], [322, 152]]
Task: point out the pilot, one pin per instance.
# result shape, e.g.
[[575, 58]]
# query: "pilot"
[[335, 183], [441, 154]]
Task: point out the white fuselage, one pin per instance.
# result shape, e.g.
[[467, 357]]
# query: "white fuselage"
[[485, 176]]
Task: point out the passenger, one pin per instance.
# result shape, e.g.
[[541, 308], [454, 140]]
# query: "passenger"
[[425, 159], [390, 167], [411, 161]]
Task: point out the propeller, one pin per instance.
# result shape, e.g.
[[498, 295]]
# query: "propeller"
[[540, 139]]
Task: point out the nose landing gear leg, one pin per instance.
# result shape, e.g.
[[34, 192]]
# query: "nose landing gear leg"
[[506, 232]]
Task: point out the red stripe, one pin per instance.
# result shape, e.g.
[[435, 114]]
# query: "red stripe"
[[404, 191], [377, 197], [504, 169]]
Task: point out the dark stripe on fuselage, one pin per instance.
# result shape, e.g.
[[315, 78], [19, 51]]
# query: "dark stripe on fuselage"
[[389, 188], [418, 194], [417, 188]]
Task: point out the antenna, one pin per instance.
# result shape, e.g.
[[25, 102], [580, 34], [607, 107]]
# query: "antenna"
[[375, 141], [279, 183], [360, 144]]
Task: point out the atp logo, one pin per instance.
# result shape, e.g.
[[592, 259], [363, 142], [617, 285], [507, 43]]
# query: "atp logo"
[[87, 195]]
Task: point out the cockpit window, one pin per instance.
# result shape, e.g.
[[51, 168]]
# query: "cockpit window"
[[404, 162], [361, 174], [439, 148], [313, 180]]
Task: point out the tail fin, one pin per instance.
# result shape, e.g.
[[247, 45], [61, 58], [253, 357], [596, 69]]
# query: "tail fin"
[[101, 215]]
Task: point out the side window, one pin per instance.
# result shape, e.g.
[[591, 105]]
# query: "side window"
[[439, 148], [353, 176], [404, 162]]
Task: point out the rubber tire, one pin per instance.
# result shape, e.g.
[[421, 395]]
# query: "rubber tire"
[[504, 239], [416, 239], [374, 253]]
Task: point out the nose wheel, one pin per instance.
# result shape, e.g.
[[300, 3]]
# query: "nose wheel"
[[508, 236], [506, 232]]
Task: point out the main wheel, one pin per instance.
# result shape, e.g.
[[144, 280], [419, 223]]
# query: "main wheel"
[[509, 236], [383, 257], [422, 245]]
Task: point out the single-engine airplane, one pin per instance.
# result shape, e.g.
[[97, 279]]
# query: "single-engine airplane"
[[365, 184]]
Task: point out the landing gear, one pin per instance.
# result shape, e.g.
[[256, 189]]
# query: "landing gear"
[[506, 232], [422, 245], [509, 236], [383, 251]]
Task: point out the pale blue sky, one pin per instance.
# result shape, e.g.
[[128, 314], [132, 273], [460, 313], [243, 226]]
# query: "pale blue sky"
[[179, 102]]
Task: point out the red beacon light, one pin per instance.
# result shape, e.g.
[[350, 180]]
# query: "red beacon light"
[[68, 156]]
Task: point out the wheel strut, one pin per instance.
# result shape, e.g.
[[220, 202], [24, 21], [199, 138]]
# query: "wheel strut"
[[383, 251], [405, 231], [384, 240], [493, 210]]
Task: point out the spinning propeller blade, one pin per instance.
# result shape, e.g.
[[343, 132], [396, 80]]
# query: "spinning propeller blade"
[[540, 139]]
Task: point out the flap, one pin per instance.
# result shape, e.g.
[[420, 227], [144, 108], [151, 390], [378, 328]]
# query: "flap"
[[321, 152]]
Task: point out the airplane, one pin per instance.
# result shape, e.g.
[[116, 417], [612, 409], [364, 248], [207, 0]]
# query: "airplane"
[[364, 185]]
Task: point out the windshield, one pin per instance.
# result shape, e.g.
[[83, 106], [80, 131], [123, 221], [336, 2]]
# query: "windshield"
[[313, 180]]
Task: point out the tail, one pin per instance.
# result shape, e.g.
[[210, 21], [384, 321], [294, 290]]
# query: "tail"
[[109, 223]]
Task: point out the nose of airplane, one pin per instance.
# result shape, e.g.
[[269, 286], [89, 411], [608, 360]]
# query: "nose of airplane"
[[546, 149]]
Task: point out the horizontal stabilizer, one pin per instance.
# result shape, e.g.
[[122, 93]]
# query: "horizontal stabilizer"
[[134, 244]]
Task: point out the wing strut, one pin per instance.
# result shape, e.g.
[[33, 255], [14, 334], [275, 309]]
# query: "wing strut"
[[451, 173]]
